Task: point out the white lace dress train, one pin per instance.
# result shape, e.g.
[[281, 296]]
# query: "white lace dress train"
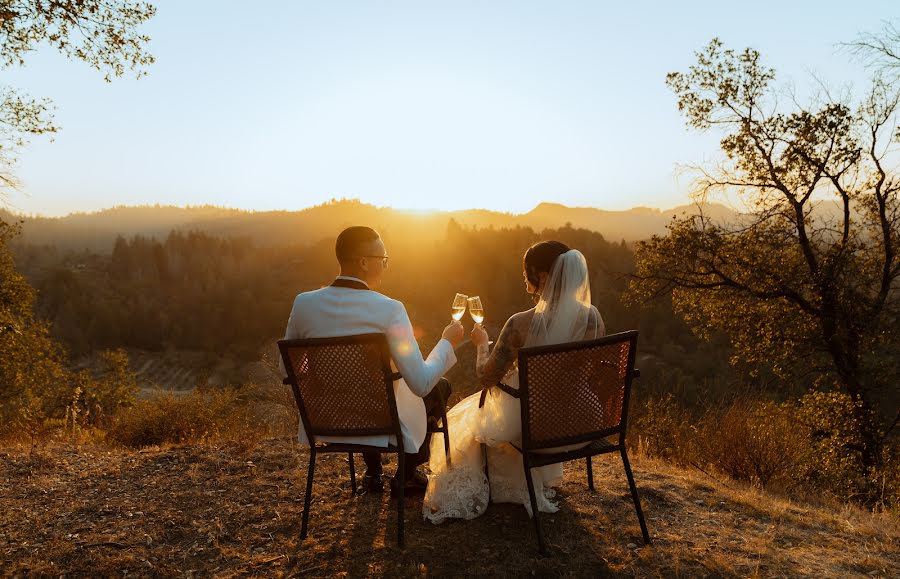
[[461, 491]]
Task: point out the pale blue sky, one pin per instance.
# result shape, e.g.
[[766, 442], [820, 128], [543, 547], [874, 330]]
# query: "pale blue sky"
[[414, 104]]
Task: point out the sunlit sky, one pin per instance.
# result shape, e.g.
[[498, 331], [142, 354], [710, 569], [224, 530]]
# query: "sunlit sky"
[[493, 104]]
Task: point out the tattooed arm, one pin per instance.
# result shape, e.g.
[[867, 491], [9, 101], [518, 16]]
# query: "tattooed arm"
[[491, 367]]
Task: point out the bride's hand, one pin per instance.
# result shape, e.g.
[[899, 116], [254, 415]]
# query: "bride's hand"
[[479, 336]]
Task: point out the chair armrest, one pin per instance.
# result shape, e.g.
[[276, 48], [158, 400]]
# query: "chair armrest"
[[635, 373]]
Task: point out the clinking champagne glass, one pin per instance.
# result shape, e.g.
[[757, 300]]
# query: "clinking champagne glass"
[[459, 306], [476, 310]]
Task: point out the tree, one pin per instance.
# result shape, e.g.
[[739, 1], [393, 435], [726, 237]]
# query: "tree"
[[881, 51], [806, 282], [102, 33], [32, 365]]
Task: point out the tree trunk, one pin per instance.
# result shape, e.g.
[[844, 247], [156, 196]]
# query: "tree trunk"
[[847, 364], [842, 340]]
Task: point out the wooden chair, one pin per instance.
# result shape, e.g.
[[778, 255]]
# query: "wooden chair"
[[344, 387], [575, 393]]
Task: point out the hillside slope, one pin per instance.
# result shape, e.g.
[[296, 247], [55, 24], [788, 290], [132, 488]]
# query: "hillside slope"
[[236, 512]]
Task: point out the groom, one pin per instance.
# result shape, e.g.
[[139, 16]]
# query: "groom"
[[348, 307]]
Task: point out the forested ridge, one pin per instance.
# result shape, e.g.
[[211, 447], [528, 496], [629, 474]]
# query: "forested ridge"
[[97, 231]]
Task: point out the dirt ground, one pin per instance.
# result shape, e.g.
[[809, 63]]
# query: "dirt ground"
[[235, 511]]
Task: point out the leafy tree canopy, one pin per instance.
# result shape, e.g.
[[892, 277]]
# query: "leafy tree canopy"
[[805, 283], [102, 33]]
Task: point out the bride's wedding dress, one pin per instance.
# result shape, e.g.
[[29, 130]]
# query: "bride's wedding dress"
[[461, 490]]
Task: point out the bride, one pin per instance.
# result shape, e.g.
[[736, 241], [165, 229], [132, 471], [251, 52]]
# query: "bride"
[[557, 277]]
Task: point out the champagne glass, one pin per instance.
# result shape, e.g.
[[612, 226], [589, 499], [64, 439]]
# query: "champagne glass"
[[459, 306], [476, 310]]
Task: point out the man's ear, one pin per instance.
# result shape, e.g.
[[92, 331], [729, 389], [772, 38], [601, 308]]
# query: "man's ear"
[[363, 264]]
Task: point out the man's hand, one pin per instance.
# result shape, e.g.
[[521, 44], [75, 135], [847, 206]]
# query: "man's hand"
[[454, 333], [479, 336]]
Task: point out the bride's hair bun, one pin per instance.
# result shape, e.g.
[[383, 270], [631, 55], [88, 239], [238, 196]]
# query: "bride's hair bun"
[[540, 257]]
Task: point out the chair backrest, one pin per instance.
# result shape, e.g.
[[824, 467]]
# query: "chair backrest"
[[575, 392], [343, 386]]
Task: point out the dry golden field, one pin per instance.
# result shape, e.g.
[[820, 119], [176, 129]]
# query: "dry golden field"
[[234, 510]]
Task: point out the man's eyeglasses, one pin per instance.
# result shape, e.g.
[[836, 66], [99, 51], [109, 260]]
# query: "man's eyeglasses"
[[383, 258]]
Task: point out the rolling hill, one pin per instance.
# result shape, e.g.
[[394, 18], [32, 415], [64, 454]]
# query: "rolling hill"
[[98, 231]]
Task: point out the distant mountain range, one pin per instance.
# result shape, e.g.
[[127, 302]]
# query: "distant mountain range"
[[98, 231]]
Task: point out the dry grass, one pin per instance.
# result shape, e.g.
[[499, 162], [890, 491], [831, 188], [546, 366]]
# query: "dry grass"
[[216, 510], [808, 447], [204, 415]]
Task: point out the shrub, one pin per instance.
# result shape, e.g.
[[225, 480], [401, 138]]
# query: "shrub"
[[77, 399], [196, 417], [115, 388], [760, 442], [810, 444], [836, 464], [665, 429], [273, 409]]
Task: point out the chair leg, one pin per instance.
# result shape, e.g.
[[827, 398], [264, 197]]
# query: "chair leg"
[[634, 496], [590, 473], [401, 472], [487, 474], [447, 438], [352, 473], [308, 500], [534, 509]]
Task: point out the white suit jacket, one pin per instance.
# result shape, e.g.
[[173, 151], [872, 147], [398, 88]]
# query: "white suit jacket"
[[339, 311]]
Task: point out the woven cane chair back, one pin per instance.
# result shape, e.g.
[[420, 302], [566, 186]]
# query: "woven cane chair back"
[[575, 392], [343, 386]]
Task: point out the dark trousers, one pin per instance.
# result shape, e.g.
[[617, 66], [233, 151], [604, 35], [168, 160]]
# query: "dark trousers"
[[435, 403]]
